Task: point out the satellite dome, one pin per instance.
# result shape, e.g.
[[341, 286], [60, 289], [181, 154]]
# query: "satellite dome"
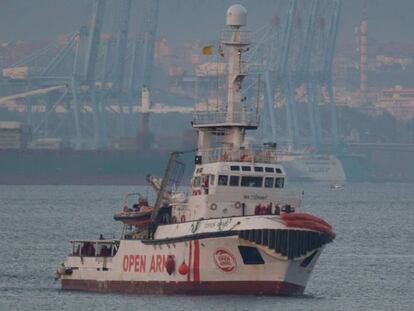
[[236, 15]]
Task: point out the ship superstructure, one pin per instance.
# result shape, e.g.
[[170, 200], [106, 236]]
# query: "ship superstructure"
[[238, 231]]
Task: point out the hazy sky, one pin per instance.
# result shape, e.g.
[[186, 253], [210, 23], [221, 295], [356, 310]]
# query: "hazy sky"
[[390, 20]]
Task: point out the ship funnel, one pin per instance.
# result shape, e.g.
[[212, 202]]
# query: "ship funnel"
[[145, 99], [236, 16]]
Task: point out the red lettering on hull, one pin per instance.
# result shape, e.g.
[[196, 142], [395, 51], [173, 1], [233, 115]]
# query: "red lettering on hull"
[[152, 267], [159, 263], [133, 263], [143, 260], [137, 263], [125, 264]]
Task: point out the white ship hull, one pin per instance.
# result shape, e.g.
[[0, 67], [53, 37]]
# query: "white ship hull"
[[215, 265], [320, 168]]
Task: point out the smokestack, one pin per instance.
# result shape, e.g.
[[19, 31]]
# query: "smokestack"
[[144, 136], [145, 104], [363, 61]]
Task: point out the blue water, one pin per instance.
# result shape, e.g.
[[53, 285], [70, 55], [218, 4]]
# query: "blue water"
[[370, 266]]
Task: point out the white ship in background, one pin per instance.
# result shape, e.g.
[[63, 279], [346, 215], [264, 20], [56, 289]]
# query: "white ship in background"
[[238, 231], [303, 166]]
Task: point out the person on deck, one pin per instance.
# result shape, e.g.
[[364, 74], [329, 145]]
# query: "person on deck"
[[90, 250], [151, 230], [205, 185], [84, 249]]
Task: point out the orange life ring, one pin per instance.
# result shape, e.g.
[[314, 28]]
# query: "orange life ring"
[[182, 218], [237, 205], [245, 158]]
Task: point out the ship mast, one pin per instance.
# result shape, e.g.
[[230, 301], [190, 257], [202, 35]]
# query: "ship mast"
[[230, 121]]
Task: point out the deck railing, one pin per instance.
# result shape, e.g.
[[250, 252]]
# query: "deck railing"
[[243, 118], [251, 154], [229, 36]]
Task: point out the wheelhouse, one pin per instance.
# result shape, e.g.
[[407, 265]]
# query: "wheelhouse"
[[214, 176]]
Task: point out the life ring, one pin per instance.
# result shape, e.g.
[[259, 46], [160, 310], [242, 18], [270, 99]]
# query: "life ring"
[[237, 205], [213, 206], [245, 158], [182, 218]]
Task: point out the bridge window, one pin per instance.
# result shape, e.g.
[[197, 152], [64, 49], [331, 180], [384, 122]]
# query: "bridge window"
[[222, 180], [278, 170], [269, 182], [234, 181], [280, 182], [269, 170], [258, 169], [235, 168], [197, 181], [251, 181], [246, 168]]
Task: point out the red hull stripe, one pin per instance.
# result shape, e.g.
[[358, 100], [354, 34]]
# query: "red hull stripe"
[[196, 261], [185, 288], [189, 260]]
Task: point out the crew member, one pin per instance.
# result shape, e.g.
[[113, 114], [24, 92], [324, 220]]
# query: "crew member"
[[205, 185], [151, 230]]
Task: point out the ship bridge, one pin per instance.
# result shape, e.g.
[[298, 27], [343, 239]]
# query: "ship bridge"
[[232, 188], [223, 119]]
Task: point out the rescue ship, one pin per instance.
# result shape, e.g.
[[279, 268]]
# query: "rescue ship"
[[238, 231]]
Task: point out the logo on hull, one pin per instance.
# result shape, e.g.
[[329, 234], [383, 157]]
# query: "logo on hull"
[[224, 260]]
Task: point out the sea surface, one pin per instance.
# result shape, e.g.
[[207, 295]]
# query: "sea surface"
[[370, 266]]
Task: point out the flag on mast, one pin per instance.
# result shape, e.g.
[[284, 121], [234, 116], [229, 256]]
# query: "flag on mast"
[[208, 50]]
